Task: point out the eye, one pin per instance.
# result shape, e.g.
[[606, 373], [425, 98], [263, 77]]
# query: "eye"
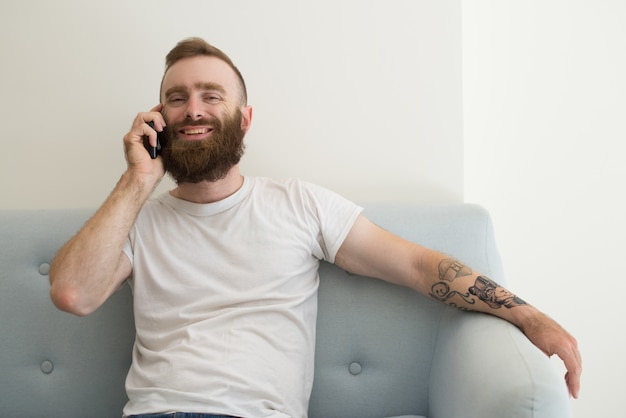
[[212, 98], [176, 100]]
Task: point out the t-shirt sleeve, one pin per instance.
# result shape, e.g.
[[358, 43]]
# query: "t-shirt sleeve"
[[128, 250], [336, 216]]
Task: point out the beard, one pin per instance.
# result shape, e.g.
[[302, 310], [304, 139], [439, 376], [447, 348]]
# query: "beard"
[[209, 159]]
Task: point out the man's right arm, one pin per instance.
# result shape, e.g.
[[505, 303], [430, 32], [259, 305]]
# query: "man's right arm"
[[91, 266]]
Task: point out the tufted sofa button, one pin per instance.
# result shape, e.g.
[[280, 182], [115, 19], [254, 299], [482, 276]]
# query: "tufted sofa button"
[[44, 269], [47, 366], [355, 368]]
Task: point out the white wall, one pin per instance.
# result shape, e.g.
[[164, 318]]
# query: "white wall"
[[544, 105], [361, 96]]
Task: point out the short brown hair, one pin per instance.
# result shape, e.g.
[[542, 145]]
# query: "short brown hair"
[[193, 47]]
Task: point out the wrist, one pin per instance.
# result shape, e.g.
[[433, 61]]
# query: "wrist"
[[138, 185], [143, 179], [525, 316]]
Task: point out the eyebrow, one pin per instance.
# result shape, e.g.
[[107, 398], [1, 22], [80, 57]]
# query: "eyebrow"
[[198, 86]]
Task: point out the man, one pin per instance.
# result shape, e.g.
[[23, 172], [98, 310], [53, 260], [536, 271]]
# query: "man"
[[224, 267]]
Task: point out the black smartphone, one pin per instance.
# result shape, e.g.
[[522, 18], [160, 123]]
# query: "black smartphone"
[[153, 151]]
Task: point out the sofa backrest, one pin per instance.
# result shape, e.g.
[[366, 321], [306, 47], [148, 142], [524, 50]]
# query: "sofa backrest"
[[374, 340], [53, 363]]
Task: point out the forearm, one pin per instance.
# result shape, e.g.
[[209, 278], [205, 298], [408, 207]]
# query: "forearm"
[[83, 273], [449, 281]]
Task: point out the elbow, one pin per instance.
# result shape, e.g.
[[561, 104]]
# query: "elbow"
[[68, 299]]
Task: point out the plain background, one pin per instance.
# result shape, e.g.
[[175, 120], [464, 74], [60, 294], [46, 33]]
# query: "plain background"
[[517, 106], [544, 103], [361, 97]]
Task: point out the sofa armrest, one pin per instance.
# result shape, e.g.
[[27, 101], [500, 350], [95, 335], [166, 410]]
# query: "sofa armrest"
[[485, 367]]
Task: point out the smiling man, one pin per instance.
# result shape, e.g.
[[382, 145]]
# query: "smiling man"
[[209, 118], [224, 268]]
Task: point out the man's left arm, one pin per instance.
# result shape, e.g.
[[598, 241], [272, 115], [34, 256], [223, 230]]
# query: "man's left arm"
[[371, 251]]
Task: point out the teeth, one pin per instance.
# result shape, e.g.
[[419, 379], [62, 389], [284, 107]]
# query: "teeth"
[[195, 131]]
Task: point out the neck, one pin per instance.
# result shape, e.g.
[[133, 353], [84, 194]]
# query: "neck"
[[210, 191]]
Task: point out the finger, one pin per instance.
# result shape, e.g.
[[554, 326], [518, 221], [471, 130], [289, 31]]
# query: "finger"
[[154, 116], [139, 131], [573, 363], [150, 133], [146, 125], [573, 385], [157, 118]]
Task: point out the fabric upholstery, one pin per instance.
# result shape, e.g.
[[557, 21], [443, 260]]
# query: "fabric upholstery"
[[382, 350]]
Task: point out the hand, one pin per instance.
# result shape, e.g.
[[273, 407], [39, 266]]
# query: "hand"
[[138, 159], [551, 338]]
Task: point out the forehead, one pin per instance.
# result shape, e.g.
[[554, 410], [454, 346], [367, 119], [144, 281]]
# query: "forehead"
[[195, 71]]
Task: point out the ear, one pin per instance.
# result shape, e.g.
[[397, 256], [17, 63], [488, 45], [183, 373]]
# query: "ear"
[[246, 118]]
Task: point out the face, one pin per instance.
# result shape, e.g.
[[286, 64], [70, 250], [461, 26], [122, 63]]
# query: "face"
[[206, 122]]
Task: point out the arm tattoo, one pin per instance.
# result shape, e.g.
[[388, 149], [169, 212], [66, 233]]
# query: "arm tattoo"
[[450, 269], [484, 288], [494, 295], [441, 292]]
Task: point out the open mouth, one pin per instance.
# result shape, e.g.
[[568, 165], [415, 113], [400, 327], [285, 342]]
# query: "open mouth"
[[196, 132]]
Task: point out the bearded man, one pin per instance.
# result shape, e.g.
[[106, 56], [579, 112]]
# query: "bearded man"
[[224, 267]]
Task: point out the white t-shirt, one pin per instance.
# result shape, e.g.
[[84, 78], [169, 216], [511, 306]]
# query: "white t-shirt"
[[225, 298]]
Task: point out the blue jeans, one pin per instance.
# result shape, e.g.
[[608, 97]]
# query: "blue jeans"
[[181, 415]]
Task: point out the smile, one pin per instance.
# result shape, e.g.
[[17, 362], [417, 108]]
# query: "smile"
[[195, 131]]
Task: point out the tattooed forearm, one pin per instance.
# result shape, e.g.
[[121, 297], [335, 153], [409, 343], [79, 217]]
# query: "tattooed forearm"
[[450, 269], [484, 289], [494, 295]]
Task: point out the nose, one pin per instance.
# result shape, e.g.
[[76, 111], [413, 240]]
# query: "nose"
[[194, 109]]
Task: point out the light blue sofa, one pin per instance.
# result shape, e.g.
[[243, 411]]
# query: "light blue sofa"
[[382, 350]]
